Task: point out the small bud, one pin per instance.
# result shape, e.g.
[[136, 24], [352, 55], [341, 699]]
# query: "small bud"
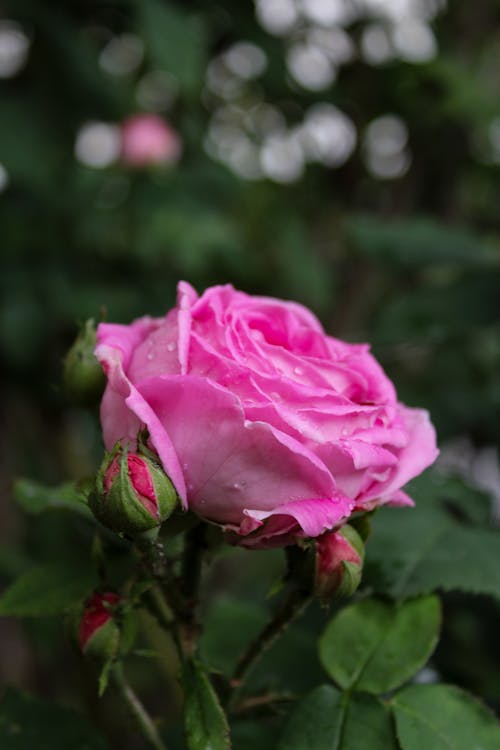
[[83, 376], [133, 494], [98, 633], [339, 563]]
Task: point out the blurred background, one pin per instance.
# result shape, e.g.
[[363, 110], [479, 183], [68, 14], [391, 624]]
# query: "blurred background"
[[345, 154]]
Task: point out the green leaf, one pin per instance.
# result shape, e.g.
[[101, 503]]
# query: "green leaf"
[[415, 242], [329, 720], [204, 720], [443, 717], [424, 549], [35, 498], [46, 590], [175, 40], [376, 646], [27, 723]]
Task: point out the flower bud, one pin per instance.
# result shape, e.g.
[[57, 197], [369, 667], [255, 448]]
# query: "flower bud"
[[83, 376], [98, 633], [133, 494], [339, 563]]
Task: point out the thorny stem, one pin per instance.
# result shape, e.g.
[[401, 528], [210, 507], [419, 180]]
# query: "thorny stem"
[[258, 704], [192, 561], [180, 596], [290, 609], [137, 710]]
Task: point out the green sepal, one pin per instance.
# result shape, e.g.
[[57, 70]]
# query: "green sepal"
[[355, 539], [104, 642], [350, 580]]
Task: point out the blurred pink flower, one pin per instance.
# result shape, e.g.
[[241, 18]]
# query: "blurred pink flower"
[[147, 139]]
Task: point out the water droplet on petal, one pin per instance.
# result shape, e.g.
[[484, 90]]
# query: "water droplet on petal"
[[172, 346], [298, 370]]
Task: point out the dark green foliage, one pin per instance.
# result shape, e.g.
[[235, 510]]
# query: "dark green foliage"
[[26, 723]]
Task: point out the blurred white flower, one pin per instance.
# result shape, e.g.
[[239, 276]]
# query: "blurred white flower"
[[310, 66], [98, 144], [14, 48], [122, 54], [328, 135]]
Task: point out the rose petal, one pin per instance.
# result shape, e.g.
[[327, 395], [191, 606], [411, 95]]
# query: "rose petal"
[[419, 453], [231, 463], [312, 516], [121, 397]]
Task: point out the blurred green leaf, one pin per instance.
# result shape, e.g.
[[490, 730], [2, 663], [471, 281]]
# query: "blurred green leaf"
[[35, 498], [229, 625], [329, 720], [29, 154], [204, 719], [375, 646], [46, 590], [442, 717], [415, 242], [27, 723], [175, 40]]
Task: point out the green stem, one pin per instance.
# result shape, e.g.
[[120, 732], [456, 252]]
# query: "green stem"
[[137, 710], [290, 609], [192, 562]]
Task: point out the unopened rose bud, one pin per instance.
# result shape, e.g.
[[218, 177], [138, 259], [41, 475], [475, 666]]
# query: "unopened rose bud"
[[98, 633], [83, 376], [133, 494], [147, 139], [339, 563]]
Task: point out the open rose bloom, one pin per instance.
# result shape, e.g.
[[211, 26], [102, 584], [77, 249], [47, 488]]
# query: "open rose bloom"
[[264, 424]]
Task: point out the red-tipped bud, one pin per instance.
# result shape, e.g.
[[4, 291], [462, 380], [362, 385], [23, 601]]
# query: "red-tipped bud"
[[339, 563], [98, 632], [133, 494]]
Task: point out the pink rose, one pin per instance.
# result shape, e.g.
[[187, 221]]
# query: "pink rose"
[[148, 139], [263, 423]]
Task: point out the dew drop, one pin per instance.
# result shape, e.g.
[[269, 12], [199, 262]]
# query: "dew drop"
[[298, 370], [171, 347], [344, 431], [150, 356]]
